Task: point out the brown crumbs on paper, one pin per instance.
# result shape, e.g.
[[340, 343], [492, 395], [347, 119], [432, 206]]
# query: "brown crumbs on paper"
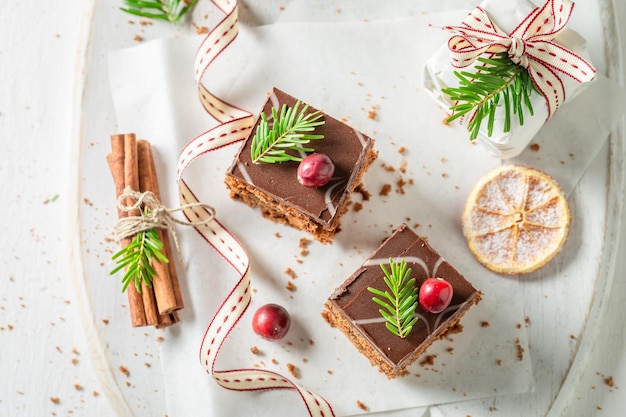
[[534, 147], [484, 324], [365, 195], [385, 190], [608, 381], [499, 362], [55, 400], [293, 370], [291, 286], [428, 360], [201, 30], [78, 387], [357, 207], [254, 350], [520, 349], [124, 370], [291, 273], [371, 114], [138, 38], [303, 245], [400, 184], [362, 406]]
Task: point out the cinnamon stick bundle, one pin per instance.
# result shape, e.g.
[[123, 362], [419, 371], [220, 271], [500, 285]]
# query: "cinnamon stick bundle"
[[132, 165]]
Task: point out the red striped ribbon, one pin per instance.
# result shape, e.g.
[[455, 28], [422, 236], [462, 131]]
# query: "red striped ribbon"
[[235, 125], [531, 45]]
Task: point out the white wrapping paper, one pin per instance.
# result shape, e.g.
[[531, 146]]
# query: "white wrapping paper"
[[439, 74]]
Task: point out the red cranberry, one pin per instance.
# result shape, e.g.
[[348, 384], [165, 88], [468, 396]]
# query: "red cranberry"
[[435, 295], [271, 322], [315, 170]]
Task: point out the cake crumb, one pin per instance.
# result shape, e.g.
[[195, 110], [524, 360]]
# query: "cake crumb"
[[291, 273], [291, 286], [254, 350], [428, 360], [484, 324], [534, 147], [278, 235], [361, 405], [303, 245], [400, 183], [372, 114], [520, 349], [124, 370], [608, 381], [293, 370], [78, 387], [365, 195], [385, 190], [55, 400], [357, 207]]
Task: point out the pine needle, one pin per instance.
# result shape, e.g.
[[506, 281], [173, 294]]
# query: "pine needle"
[[168, 10], [398, 307], [136, 257], [289, 131], [498, 84]]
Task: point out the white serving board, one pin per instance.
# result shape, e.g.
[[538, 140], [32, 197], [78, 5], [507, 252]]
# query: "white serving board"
[[560, 308]]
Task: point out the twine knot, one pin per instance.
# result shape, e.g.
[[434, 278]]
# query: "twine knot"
[[154, 215]]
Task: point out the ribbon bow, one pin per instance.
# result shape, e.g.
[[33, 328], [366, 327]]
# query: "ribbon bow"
[[529, 45]]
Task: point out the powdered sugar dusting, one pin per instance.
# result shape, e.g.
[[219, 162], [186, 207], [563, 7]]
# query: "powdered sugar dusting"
[[519, 219]]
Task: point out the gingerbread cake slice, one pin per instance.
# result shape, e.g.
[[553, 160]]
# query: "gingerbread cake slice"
[[351, 309], [275, 189]]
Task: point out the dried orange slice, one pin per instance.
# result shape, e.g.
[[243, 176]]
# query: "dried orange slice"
[[516, 219]]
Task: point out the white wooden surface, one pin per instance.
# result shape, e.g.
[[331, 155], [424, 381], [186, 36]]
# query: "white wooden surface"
[[47, 357]]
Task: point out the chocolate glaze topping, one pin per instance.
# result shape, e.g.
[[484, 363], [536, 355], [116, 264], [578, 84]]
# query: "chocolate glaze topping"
[[344, 145], [354, 301]]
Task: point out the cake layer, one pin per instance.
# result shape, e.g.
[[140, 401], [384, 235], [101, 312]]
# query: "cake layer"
[[275, 188], [352, 310]]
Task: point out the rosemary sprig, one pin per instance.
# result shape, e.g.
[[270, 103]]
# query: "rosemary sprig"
[[497, 82], [399, 305], [168, 10], [288, 132], [136, 257]]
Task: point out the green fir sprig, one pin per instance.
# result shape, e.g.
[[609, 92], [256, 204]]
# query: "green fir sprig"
[[399, 305], [136, 257], [168, 10], [497, 82], [289, 131]]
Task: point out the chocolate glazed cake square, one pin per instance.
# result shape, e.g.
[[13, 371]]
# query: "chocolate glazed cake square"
[[274, 188], [351, 309]]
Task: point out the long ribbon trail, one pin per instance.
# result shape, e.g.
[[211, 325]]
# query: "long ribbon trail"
[[235, 125]]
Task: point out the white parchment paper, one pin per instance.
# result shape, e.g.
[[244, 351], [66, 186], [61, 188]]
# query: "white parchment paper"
[[352, 71]]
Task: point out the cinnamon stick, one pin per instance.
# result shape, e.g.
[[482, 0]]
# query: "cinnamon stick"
[[162, 283], [167, 246], [116, 161]]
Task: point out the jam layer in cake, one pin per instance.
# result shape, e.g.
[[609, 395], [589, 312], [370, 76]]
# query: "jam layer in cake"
[[274, 188], [351, 308]]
